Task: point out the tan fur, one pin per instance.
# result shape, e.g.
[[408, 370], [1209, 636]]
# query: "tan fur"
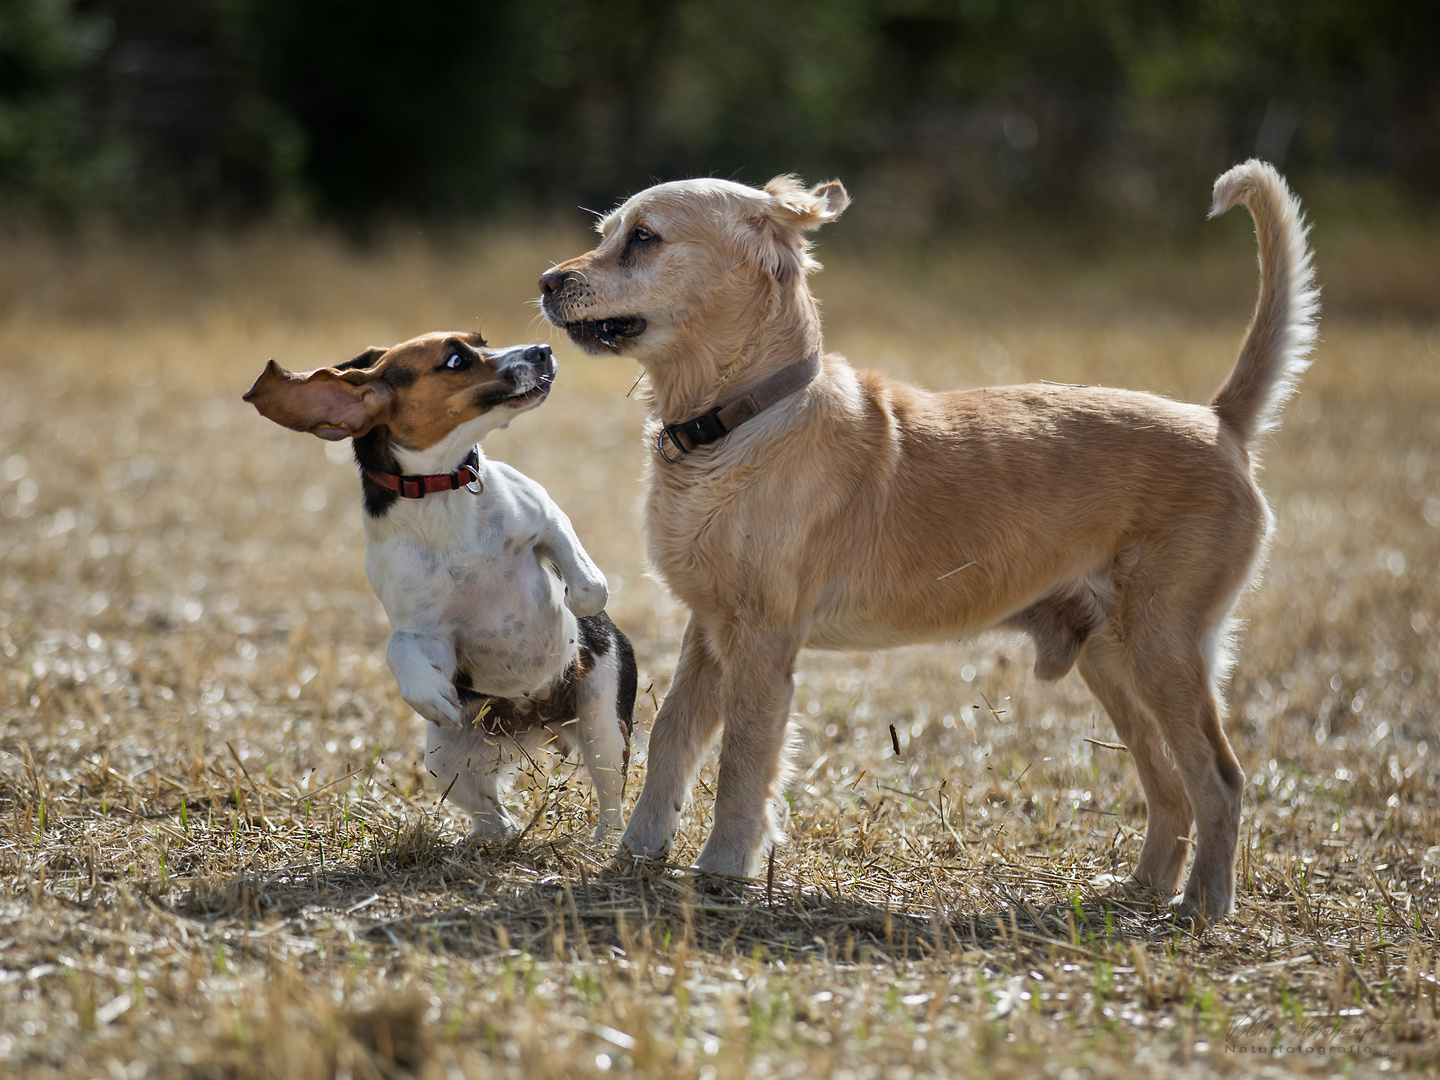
[[1117, 528]]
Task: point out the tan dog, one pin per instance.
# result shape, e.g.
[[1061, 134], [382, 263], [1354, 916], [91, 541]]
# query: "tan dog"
[[1117, 528]]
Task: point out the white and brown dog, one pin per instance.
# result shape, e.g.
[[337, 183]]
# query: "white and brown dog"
[[500, 639], [796, 502]]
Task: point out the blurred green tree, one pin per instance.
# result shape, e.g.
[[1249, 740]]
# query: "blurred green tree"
[[47, 160], [935, 110]]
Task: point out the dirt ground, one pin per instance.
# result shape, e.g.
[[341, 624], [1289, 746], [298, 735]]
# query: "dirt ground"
[[220, 854]]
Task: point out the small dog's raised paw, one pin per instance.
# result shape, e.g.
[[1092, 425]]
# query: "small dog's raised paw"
[[587, 598], [436, 700]]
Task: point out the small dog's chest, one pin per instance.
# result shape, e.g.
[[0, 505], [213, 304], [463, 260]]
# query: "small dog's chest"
[[487, 591]]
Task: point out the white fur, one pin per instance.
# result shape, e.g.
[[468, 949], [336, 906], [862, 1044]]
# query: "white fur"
[[1261, 189]]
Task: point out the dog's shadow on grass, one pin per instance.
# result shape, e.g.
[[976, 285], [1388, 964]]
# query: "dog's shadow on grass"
[[555, 899], [552, 900]]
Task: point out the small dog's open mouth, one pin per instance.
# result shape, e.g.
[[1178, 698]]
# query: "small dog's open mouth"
[[605, 332], [532, 396]]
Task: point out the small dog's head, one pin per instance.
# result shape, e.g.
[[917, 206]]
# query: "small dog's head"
[[421, 391], [689, 262]]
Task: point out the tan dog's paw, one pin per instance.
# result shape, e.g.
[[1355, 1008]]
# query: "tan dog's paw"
[[647, 840], [1203, 910], [732, 860]]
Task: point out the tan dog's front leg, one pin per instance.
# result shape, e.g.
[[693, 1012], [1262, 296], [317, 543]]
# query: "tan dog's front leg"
[[756, 690], [683, 728]]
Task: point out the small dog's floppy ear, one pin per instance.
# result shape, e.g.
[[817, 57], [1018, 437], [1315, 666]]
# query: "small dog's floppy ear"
[[788, 214], [364, 360], [330, 403]]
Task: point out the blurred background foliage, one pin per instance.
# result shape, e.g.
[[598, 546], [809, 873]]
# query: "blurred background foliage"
[[936, 112]]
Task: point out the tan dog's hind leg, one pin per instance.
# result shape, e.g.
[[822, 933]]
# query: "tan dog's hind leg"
[[1167, 813], [1171, 675], [757, 688], [682, 730], [1213, 782]]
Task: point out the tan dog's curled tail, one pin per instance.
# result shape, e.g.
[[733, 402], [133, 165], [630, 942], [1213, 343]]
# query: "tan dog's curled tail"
[[1277, 347]]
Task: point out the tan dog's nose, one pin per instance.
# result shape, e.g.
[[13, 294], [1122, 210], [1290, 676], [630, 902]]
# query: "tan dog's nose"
[[553, 281]]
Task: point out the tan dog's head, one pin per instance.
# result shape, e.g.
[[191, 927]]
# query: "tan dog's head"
[[698, 279], [424, 392]]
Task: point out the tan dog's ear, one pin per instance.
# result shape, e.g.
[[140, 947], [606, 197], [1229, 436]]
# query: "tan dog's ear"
[[330, 403], [808, 210], [787, 216]]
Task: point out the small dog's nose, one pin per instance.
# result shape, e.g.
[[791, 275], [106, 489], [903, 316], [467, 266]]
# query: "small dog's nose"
[[552, 281], [541, 360]]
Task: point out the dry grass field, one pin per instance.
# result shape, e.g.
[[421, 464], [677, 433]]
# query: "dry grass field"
[[220, 855]]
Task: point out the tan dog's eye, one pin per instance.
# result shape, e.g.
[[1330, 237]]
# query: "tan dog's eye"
[[641, 235], [456, 361]]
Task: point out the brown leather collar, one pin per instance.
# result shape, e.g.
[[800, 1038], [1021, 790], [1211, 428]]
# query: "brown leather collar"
[[417, 487], [723, 419]]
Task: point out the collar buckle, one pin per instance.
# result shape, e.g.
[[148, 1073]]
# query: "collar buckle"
[[475, 485], [687, 436]]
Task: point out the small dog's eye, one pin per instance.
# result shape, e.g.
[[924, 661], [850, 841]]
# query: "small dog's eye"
[[456, 362], [640, 234]]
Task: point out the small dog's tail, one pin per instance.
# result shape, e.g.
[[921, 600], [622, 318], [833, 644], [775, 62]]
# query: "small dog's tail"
[[1277, 346]]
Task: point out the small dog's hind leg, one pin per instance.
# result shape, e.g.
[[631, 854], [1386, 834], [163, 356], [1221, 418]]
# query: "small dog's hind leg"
[[682, 730], [605, 700], [476, 769]]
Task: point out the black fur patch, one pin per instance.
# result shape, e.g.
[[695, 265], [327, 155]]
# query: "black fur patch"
[[512, 716], [401, 378], [625, 695], [596, 632], [373, 451], [598, 636], [364, 360]]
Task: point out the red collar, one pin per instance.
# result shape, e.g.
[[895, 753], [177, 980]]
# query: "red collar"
[[417, 487]]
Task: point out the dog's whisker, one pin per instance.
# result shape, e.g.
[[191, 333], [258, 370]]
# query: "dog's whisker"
[[957, 569]]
